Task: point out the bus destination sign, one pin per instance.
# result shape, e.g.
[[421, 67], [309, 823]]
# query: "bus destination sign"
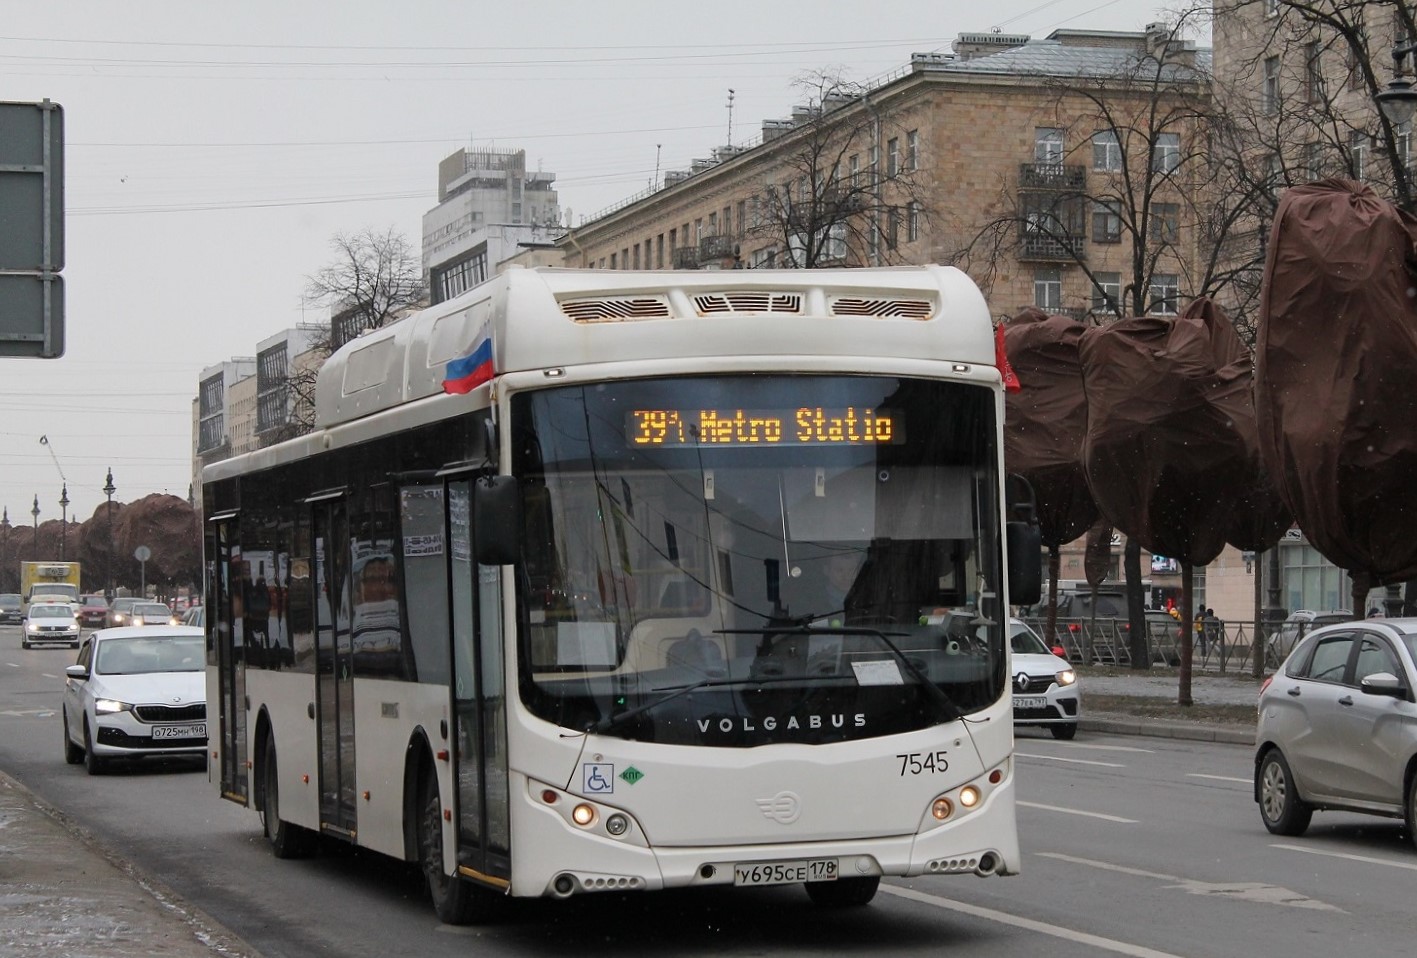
[[804, 426]]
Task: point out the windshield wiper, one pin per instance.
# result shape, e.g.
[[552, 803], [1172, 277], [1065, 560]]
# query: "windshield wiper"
[[611, 721], [948, 710]]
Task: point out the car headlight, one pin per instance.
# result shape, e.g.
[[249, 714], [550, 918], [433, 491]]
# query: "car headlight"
[[109, 706], [1066, 677]]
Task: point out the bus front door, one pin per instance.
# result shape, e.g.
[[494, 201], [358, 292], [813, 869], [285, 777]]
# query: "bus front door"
[[334, 666], [225, 650], [479, 701]]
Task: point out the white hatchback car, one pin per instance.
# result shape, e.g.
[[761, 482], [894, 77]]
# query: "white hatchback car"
[[136, 692], [1045, 686]]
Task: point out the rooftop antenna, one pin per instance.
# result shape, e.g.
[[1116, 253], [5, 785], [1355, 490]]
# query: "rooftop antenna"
[[657, 148], [730, 116]]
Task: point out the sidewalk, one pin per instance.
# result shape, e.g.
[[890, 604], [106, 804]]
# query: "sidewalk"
[[62, 894]]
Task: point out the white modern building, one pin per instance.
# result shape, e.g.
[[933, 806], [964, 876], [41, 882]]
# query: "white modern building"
[[488, 204]]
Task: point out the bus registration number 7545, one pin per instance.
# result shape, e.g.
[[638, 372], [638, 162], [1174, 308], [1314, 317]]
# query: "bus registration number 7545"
[[785, 873]]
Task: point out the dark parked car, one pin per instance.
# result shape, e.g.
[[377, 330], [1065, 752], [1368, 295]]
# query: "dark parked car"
[[10, 608]]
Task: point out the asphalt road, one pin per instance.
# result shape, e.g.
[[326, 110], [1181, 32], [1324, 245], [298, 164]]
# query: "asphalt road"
[[1133, 846]]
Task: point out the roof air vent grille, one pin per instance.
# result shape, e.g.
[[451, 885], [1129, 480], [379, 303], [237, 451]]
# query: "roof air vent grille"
[[903, 308], [747, 301], [616, 310]]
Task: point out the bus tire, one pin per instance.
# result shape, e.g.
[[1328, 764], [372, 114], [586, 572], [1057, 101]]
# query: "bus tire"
[[456, 900], [844, 892], [286, 840]]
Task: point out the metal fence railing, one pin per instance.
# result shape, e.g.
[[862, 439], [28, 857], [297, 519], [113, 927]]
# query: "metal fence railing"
[[1230, 648]]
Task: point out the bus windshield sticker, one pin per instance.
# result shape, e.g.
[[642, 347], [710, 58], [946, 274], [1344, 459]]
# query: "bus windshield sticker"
[[597, 779], [877, 672]]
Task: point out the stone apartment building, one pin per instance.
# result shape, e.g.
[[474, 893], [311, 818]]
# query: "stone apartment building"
[[1028, 162]]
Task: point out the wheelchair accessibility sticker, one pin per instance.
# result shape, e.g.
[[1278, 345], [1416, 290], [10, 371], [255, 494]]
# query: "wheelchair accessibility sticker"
[[597, 779]]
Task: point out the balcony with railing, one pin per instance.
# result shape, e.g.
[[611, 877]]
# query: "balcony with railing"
[[1052, 247], [1051, 176], [715, 248], [686, 257]]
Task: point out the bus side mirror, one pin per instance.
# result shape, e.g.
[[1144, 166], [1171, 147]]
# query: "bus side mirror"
[[1024, 540], [1025, 545], [497, 520]]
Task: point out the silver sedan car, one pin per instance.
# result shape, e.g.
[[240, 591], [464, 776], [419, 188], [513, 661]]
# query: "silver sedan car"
[[1338, 727]]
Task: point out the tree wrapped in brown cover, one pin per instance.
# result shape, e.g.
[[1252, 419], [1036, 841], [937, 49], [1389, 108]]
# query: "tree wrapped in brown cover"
[[1044, 426], [1170, 440], [1334, 390]]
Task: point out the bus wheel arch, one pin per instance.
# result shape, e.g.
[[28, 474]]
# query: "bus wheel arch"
[[418, 765]]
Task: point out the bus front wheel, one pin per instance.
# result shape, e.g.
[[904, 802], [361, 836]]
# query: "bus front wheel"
[[456, 900], [844, 892]]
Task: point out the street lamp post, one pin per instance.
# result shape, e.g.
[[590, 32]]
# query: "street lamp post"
[[63, 519], [108, 490], [35, 512], [1398, 102]]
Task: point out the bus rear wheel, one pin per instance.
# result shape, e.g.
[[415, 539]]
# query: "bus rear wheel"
[[286, 840], [456, 900], [844, 892]]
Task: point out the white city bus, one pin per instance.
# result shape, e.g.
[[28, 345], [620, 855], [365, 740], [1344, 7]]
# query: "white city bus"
[[593, 580]]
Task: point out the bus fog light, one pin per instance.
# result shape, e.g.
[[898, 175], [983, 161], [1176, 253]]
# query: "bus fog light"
[[941, 808], [583, 815], [617, 825], [969, 796]]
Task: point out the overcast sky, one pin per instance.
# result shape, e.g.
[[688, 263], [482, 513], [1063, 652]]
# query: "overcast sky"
[[213, 149]]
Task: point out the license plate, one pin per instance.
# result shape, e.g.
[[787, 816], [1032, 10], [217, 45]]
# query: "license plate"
[[1030, 701], [785, 873], [181, 731]]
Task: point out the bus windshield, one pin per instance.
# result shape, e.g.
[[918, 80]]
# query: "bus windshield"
[[741, 560]]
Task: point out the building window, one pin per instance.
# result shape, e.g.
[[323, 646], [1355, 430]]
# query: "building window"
[[912, 221], [1166, 154], [1352, 58], [912, 150], [1047, 289], [892, 156], [1165, 294], [637, 256], [713, 224], [612, 261], [698, 230], [1106, 292], [892, 228], [1106, 151], [659, 251], [854, 166], [1271, 8], [1106, 222], [1313, 72], [1270, 91], [742, 217], [1312, 159], [1358, 154], [1165, 222], [1048, 146]]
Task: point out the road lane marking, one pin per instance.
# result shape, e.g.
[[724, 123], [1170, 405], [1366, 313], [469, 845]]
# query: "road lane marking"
[[1106, 748], [1070, 761], [1076, 811], [1029, 924], [1258, 892], [1222, 778], [1366, 859]]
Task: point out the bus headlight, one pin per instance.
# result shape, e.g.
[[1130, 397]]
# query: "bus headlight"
[[969, 796], [583, 815], [617, 825]]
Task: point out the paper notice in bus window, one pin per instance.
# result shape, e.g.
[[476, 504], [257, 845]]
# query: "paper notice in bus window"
[[877, 672], [589, 644]]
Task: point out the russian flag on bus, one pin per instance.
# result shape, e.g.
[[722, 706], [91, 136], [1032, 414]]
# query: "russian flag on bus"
[[468, 372]]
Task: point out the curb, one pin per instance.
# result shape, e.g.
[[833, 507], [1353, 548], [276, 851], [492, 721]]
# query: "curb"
[[205, 931], [1227, 735]]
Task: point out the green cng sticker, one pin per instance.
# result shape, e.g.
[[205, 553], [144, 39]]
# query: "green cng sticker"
[[632, 775]]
